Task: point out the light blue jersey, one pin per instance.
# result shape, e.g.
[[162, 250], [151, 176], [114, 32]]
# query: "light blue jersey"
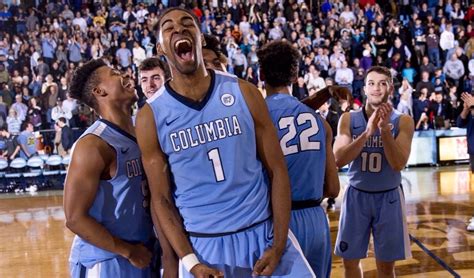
[[303, 142], [212, 154], [28, 140], [373, 203], [121, 204], [370, 171]]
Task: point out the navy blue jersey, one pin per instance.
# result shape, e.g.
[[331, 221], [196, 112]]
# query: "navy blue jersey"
[[370, 171], [303, 141], [219, 185], [121, 204]]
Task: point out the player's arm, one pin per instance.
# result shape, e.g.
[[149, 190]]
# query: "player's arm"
[[91, 160], [271, 155], [322, 96], [345, 148], [169, 258], [331, 179], [157, 171], [397, 150]]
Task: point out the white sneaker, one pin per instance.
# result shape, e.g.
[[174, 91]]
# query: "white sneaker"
[[470, 227], [472, 219]]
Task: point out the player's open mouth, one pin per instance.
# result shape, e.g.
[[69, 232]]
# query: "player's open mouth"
[[184, 49]]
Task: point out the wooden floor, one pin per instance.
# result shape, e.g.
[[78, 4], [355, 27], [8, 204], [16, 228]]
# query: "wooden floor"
[[35, 243]]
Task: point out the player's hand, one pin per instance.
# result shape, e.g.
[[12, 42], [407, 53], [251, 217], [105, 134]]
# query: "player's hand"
[[139, 256], [341, 93], [467, 99], [385, 113], [267, 263], [372, 122], [203, 271]]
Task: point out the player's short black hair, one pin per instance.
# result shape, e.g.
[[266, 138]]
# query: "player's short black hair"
[[212, 43], [279, 62], [84, 80], [155, 62], [165, 12]]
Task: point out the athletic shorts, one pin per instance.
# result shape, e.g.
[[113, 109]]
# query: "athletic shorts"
[[311, 229], [235, 254], [116, 267], [380, 214]]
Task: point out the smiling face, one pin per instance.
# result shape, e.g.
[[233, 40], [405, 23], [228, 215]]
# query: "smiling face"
[[180, 40], [378, 86], [151, 81], [119, 87]]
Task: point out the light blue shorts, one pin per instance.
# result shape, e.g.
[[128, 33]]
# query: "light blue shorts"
[[311, 229], [117, 267], [379, 214], [235, 254]]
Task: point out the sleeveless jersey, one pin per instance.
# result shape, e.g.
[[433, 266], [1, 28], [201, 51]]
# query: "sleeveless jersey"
[[370, 171], [121, 204], [303, 141], [219, 185]]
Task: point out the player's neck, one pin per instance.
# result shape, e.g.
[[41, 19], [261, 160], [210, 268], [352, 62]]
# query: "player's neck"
[[193, 86], [369, 109], [120, 117], [277, 90]]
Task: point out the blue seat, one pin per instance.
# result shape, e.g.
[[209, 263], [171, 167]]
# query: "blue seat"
[[53, 164], [3, 167], [17, 167], [35, 165]]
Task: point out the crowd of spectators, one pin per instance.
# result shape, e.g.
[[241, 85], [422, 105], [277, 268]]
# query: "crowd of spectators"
[[428, 45]]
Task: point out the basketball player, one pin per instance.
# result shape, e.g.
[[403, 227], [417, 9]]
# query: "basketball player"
[[203, 142], [376, 141], [106, 194], [306, 140], [153, 74]]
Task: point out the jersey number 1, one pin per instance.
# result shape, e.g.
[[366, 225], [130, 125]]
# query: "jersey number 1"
[[215, 158]]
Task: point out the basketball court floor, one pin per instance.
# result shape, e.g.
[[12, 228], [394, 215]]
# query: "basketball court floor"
[[440, 201]]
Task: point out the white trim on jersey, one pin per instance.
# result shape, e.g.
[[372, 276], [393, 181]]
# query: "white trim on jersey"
[[157, 94], [94, 272], [99, 129], [406, 237], [218, 72], [297, 246]]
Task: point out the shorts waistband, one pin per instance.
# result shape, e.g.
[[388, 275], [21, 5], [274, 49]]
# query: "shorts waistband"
[[194, 234], [296, 205], [375, 192]]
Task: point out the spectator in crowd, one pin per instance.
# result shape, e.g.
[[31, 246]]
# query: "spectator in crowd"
[[454, 69], [425, 83], [34, 114], [8, 143], [64, 137], [13, 122], [59, 111], [405, 105], [26, 141], [20, 108], [154, 72], [441, 110]]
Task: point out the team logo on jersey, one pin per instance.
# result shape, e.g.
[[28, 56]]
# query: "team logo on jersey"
[[227, 99], [343, 246]]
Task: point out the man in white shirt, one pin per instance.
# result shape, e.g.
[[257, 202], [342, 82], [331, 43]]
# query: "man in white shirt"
[[313, 80], [138, 54], [344, 76]]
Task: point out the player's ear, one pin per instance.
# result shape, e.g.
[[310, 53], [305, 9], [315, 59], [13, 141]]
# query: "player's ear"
[[99, 92], [262, 75]]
